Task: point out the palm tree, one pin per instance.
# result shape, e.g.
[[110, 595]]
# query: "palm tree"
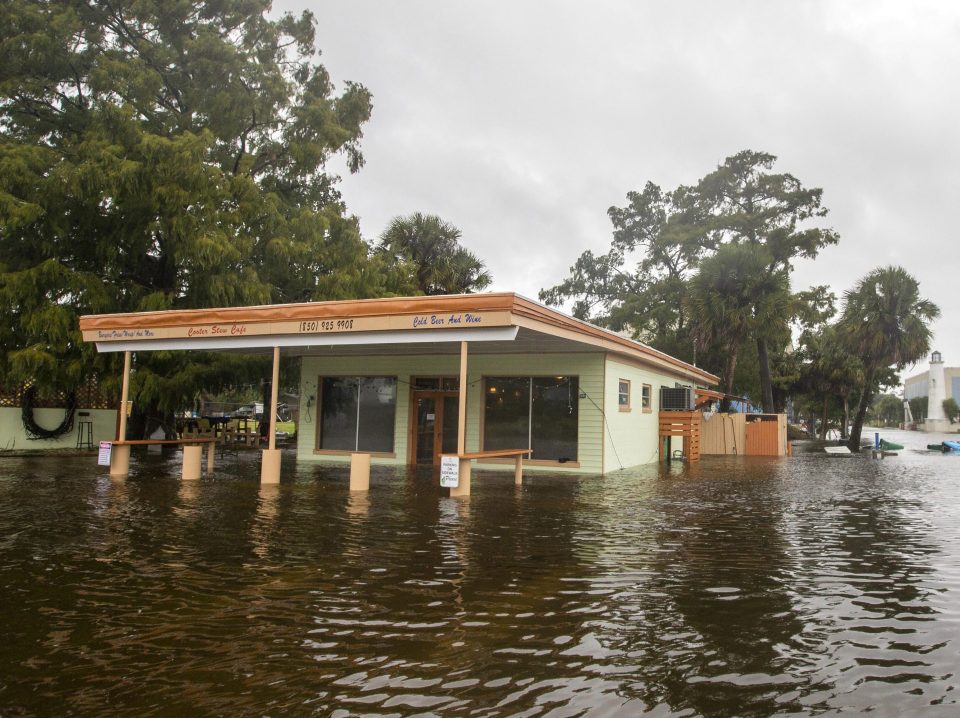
[[432, 248], [831, 372], [732, 297], [886, 322]]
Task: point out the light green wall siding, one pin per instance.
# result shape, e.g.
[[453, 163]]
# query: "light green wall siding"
[[14, 438], [632, 438], [589, 368]]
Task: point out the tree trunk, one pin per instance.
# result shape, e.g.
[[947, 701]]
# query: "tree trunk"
[[854, 442], [728, 390], [823, 418], [766, 385], [846, 416]]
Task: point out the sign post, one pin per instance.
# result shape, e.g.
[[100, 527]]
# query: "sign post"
[[449, 472]]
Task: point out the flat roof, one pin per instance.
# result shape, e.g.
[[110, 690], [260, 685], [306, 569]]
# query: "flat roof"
[[498, 321]]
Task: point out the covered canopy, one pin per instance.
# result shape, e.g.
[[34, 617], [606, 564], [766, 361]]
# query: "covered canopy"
[[497, 322]]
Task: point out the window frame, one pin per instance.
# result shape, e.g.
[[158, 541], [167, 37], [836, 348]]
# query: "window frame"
[[646, 402], [628, 406], [319, 421]]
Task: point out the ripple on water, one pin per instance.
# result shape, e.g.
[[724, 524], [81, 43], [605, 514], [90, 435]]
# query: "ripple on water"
[[732, 587]]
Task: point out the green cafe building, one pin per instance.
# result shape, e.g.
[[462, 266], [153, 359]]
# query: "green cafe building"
[[405, 380]]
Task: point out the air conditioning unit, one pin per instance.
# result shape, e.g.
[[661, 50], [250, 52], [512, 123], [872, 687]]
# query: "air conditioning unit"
[[677, 399]]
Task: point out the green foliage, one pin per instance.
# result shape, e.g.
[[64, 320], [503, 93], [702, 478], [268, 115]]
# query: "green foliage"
[[640, 284], [885, 322], [950, 409], [427, 250], [161, 155], [920, 408], [732, 297], [662, 238], [886, 410]]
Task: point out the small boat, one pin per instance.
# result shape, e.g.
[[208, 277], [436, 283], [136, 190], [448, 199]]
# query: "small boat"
[[945, 446], [889, 446]]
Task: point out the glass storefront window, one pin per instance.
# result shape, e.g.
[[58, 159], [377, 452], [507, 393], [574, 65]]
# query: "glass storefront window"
[[537, 412], [451, 383], [428, 383], [435, 383], [506, 415], [553, 418], [357, 413]]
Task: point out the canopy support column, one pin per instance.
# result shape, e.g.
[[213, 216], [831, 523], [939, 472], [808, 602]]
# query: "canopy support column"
[[120, 454], [270, 463], [464, 485]]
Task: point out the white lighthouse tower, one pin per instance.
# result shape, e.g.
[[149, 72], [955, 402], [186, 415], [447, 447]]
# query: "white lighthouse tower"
[[936, 393]]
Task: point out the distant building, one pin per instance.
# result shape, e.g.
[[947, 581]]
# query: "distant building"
[[937, 383]]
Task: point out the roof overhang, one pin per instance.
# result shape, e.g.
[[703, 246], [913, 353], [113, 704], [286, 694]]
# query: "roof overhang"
[[418, 324]]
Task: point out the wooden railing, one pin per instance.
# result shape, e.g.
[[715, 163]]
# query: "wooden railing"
[[685, 424]]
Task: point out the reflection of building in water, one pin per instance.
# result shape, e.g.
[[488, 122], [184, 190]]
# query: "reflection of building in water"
[[936, 384]]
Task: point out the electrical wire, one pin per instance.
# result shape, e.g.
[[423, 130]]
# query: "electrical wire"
[[607, 424]]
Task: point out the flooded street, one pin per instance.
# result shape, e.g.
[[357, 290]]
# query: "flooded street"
[[736, 586]]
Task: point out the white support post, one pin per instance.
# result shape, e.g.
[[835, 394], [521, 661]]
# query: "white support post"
[[463, 489], [270, 462], [274, 396], [120, 454], [191, 462], [124, 397], [360, 472], [462, 419]]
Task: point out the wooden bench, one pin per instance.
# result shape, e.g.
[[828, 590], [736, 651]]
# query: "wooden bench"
[[517, 455], [120, 460]]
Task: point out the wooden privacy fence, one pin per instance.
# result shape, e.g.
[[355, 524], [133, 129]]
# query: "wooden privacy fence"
[[685, 424], [767, 435], [745, 434]]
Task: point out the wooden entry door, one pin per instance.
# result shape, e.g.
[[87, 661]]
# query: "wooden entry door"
[[434, 425]]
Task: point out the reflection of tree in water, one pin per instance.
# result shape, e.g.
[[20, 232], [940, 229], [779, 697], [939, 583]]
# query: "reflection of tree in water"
[[715, 624], [869, 601]]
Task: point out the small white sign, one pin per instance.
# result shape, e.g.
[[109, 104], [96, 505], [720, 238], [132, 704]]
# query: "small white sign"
[[103, 457], [431, 417], [450, 472]]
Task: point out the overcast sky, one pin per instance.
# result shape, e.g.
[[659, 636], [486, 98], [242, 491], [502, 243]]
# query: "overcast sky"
[[522, 122]]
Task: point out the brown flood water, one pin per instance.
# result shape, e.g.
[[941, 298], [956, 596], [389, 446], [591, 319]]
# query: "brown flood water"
[[734, 587]]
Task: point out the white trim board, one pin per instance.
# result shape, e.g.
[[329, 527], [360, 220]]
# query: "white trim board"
[[411, 336]]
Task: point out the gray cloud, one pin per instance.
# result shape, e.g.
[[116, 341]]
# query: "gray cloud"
[[522, 122]]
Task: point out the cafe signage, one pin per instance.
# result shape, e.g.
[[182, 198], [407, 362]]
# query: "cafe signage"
[[334, 325]]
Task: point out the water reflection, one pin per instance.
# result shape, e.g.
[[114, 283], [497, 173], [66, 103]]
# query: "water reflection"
[[722, 566], [874, 551], [732, 587]]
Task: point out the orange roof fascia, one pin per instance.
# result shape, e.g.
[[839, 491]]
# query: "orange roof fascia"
[[300, 312], [538, 312]]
